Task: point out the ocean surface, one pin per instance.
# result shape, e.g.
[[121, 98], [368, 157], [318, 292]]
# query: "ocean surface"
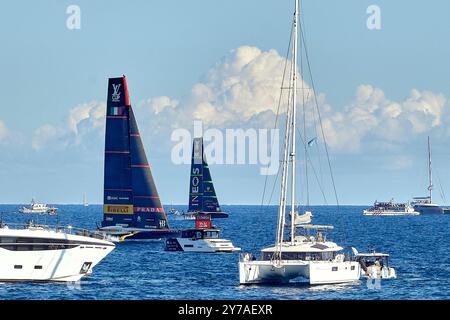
[[419, 248]]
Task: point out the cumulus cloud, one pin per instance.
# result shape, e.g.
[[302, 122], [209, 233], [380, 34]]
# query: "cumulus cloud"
[[84, 122], [242, 85], [373, 117], [4, 132], [242, 90]]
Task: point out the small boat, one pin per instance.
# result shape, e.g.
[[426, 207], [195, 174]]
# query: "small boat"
[[39, 208], [374, 265], [425, 205], [43, 253], [85, 203], [203, 206], [203, 238], [390, 208], [306, 253], [175, 212], [132, 208]]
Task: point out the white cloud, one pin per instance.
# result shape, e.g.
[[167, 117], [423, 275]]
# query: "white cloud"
[[47, 135], [243, 89], [373, 117], [4, 132], [84, 122]]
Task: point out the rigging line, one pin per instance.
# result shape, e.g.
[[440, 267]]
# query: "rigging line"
[[320, 118], [287, 104], [314, 170], [278, 108], [304, 121]]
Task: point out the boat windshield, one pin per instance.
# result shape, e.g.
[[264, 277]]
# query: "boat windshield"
[[305, 256]]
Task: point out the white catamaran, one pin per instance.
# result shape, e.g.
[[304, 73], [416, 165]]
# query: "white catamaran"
[[309, 254]]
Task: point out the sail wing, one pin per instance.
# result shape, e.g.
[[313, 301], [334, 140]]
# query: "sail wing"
[[202, 195], [196, 177], [130, 195], [149, 212], [118, 193]]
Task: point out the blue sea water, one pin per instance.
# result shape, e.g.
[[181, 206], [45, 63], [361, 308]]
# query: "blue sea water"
[[419, 248]]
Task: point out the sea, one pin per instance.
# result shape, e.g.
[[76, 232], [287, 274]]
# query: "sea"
[[418, 247]]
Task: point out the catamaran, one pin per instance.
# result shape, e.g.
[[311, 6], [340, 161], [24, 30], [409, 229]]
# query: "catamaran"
[[309, 255], [132, 207], [203, 206], [34, 252], [425, 205]]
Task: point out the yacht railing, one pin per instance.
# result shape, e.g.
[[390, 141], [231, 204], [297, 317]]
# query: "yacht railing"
[[59, 229]]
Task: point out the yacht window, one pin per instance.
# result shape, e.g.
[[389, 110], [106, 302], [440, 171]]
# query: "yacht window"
[[334, 269], [18, 266], [352, 268], [38, 267]]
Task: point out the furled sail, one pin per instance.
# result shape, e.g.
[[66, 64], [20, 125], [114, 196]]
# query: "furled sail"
[[202, 196], [130, 195], [302, 219]]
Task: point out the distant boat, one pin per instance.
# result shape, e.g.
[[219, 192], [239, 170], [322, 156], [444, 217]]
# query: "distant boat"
[[38, 208], [42, 253], [390, 208], [85, 203], [203, 206], [131, 204], [425, 205]]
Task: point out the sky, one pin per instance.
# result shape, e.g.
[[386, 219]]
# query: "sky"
[[380, 92]]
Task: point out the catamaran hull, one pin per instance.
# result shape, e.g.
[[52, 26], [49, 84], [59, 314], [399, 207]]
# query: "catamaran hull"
[[317, 272], [429, 209], [200, 245], [51, 265]]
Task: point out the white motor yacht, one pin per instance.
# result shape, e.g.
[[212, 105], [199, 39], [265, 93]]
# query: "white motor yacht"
[[41, 253], [39, 208], [374, 265]]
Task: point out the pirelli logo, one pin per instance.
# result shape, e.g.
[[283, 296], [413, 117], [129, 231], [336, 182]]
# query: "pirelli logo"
[[118, 209]]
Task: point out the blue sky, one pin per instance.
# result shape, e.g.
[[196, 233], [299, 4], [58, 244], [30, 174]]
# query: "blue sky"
[[383, 91]]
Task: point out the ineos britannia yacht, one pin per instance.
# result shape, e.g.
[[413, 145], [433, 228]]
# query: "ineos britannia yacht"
[[41, 253]]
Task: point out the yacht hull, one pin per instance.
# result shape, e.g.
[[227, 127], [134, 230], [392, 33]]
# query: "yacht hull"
[[125, 234], [317, 272], [39, 255], [200, 245], [428, 209]]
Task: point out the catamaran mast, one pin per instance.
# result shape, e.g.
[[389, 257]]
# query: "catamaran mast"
[[294, 122], [430, 175]]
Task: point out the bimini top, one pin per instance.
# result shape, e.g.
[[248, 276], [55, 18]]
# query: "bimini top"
[[307, 246]]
